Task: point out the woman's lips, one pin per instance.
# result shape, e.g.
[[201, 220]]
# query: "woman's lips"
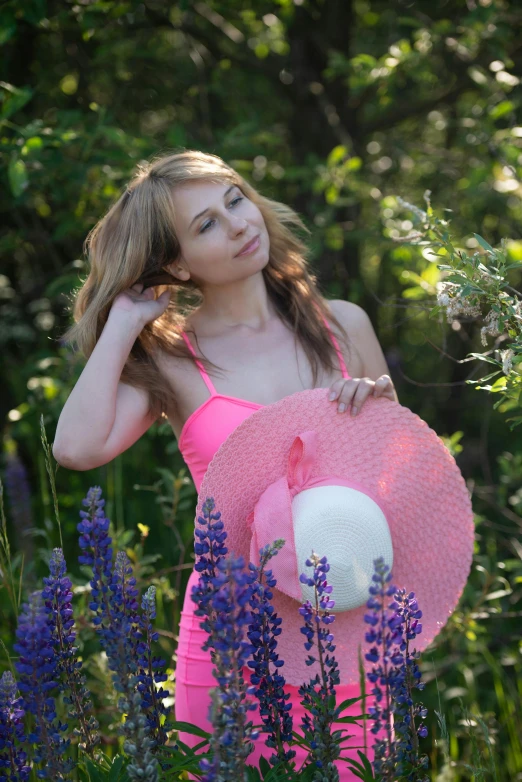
[[251, 247]]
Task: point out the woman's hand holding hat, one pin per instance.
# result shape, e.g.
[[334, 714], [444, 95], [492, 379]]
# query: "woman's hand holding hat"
[[357, 389]]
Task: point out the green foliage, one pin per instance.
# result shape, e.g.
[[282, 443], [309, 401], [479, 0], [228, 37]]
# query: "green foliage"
[[333, 108]]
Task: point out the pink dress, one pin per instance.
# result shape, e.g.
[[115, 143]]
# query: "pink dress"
[[200, 438]]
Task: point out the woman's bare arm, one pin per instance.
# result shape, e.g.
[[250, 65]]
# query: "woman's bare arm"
[[103, 416]]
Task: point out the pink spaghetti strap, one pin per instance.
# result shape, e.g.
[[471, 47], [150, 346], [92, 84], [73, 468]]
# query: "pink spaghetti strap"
[[340, 355], [204, 375]]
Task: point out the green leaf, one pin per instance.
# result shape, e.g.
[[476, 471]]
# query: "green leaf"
[[499, 385], [349, 702], [353, 718], [483, 243], [487, 377], [95, 774], [17, 174], [117, 765], [336, 155], [416, 292], [188, 727], [482, 357], [7, 25], [253, 774], [13, 99]]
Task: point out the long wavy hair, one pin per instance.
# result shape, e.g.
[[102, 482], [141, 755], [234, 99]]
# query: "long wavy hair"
[[136, 240]]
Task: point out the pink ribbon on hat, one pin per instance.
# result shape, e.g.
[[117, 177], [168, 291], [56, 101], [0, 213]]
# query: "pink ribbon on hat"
[[272, 514]]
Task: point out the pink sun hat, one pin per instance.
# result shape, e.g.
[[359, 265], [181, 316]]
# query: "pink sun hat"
[[352, 489]]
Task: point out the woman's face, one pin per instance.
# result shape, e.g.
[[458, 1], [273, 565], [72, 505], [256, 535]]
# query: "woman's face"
[[210, 242]]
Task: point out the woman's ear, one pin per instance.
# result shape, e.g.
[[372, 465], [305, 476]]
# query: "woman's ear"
[[178, 270]]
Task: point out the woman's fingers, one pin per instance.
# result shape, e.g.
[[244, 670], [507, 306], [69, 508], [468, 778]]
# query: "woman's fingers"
[[382, 384], [353, 391], [356, 391]]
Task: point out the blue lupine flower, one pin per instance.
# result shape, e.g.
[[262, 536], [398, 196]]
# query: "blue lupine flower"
[[223, 593], [57, 596], [151, 698], [13, 765], [36, 667], [117, 624], [18, 493], [405, 711], [203, 591], [95, 542], [391, 628], [262, 632], [324, 744]]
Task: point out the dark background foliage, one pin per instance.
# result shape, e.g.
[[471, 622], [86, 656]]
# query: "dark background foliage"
[[335, 107]]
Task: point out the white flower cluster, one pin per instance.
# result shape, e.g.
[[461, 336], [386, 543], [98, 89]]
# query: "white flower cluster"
[[455, 304], [491, 328], [507, 360], [423, 216]]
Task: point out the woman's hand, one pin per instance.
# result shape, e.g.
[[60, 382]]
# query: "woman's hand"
[[139, 303], [356, 390]]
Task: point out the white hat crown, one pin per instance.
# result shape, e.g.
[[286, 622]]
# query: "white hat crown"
[[351, 530]]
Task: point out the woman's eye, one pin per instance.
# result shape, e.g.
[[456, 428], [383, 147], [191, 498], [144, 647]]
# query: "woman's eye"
[[206, 225]]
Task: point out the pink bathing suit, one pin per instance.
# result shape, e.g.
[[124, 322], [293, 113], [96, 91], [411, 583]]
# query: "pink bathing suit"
[[200, 438]]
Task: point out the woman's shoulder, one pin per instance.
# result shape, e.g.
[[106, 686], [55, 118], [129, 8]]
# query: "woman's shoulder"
[[347, 311]]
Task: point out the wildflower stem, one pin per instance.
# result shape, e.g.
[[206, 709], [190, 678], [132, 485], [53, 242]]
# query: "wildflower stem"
[[69, 665], [324, 701], [409, 682], [386, 677], [271, 689], [48, 458]]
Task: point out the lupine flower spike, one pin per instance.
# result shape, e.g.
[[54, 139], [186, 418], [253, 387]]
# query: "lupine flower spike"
[[150, 670], [57, 595], [405, 711], [117, 624], [273, 710], [394, 675], [324, 744], [36, 668], [13, 759], [222, 594]]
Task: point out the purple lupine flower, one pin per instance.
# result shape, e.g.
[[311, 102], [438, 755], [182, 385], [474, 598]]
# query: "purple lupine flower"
[[57, 596], [37, 669], [323, 743], [95, 542], [18, 491], [19, 496], [213, 534], [151, 698], [405, 711], [116, 619], [262, 632], [393, 672], [387, 633], [13, 759], [223, 593]]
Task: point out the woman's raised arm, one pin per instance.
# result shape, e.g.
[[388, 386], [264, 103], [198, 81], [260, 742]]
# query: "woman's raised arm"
[[103, 416]]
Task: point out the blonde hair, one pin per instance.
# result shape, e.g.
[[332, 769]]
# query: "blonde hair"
[[136, 240]]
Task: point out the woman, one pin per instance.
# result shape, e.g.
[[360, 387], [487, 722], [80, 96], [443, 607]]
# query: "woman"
[[192, 248]]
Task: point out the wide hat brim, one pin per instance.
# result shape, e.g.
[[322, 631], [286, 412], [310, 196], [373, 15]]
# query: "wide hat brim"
[[401, 460]]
